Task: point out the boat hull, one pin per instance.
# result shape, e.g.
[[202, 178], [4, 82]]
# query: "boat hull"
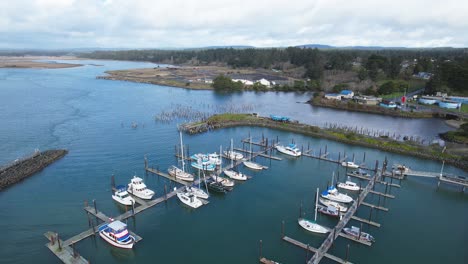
[[235, 175], [253, 165], [198, 192], [312, 227], [141, 195], [192, 202], [339, 206], [288, 152], [122, 201], [114, 243], [348, 187]]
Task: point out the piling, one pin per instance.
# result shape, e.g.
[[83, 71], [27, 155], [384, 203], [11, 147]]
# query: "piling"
[[260, 249], [347, 253], [95, 207], [282, 229]]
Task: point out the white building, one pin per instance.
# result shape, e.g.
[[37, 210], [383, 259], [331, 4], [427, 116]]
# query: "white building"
[[243, 81], [265, 82]]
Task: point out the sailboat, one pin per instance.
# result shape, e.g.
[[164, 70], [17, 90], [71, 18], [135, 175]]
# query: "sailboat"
[[224, 181], [181, 173], [236, 175], [197, 191], [332, 194], [188, 198], [312, 226], [249, 163], [342, 208]]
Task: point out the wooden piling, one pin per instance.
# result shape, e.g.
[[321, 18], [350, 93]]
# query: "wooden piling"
[[260, 249], [282, 229]]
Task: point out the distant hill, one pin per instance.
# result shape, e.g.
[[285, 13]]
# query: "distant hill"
[[313, 46]]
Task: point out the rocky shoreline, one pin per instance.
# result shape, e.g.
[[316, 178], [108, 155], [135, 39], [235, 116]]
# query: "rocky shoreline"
[[21, 169]]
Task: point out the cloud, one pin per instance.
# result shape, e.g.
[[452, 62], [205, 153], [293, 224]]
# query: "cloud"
[[190, 23]]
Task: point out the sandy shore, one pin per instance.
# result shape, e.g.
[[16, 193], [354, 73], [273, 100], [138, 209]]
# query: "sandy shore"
[[32, 62]]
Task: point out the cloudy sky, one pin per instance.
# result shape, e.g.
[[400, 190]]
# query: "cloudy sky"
[[261, 23]]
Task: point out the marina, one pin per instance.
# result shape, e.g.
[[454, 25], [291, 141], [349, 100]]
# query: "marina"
[[93, 121]]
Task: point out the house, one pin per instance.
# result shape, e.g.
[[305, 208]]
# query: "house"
[[367, 100], [333, 96], [347, 94]]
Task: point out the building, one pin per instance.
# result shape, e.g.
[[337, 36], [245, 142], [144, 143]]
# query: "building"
[[243, 81], [367, 100], [348, 94], [333, 96]]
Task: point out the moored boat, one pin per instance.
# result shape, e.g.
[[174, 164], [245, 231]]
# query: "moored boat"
[[235, 175], [116, 234], [224, 181], [121, 196], [359, 173], [341, 207], [189, 199], [333, 194], [180, 174], [349, 164], [233, 155], [253, 165], [349, 185], [290, 149], [197, 192], [329, 210], [202, 162], [312, 226], [358, 234], [139, 189]]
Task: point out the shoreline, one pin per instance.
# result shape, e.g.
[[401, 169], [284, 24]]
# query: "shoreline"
[[32, 62], [403, 148]]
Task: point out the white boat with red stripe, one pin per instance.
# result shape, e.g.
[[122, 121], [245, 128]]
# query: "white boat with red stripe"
[[116, 234]]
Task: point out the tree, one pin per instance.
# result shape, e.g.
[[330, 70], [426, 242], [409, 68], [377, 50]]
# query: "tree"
[[362, 74], [223, 83]]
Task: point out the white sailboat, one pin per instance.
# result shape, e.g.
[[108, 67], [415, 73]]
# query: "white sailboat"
[[224, 181], [249, 163], [236, 175], [181, 173], [312, 226], [189, 199], [197, 191]]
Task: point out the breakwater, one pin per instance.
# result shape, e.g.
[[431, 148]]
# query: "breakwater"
[[20, 169], [405, 148]]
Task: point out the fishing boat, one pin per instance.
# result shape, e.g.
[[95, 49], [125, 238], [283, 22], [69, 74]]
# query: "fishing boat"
[[233, 155], [249, 163], [202, 162], [116, 234], [349, 164], [121, 196], [332, 194], [290, 149], [139, 189], [312, 226], [349, 185], [329, 210], [235, 175], [181, 173], [341, 207], [358, 234], [188, 198]]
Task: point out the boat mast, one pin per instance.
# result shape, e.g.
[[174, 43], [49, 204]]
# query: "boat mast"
[[182, 151], [250, 150], [220, 159], [231, 154], [316, 200]]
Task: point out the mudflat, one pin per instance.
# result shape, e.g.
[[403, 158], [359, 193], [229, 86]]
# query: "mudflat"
[[36, 62]]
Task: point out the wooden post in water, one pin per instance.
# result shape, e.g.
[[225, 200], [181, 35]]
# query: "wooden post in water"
[[320, 153], [300, 210], [364, 159], [347, 253], [112, 181], [282, 229], [260, 250], [89, 219], [133, 208], [74, 251], [95, 207], [58, 241], [339, 157], [307, 253], [146, 162], [376, 166], [370, 214], [326, 148], [378, 203], [353, 157], [165, 192]]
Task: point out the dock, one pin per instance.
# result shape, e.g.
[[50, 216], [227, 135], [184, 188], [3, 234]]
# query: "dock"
[[312, 249]]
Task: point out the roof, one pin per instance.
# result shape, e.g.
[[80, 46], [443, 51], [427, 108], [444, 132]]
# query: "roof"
[[346, 92], [117, 225]]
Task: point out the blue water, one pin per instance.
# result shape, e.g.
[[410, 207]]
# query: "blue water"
[[70, 108]]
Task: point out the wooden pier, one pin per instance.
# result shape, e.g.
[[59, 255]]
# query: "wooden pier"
[[64, 252], [313, 250]]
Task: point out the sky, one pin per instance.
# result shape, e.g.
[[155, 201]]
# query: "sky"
[[53, 24]]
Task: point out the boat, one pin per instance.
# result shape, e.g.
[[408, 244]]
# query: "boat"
[[290, 149], [341, 207], [329, 210], [233, 155], [188, 198], [202, 162], [236, 175], [116, 234], [349, 164], [214, 158], [121, 196], [250, 164], [349, 185], [312, 226], [449, 104], [332, 194], [358, 234], [224, 181], [359, 173], [197, 192], [181, 173], [217, 186], [139, 189], [401, 169]]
